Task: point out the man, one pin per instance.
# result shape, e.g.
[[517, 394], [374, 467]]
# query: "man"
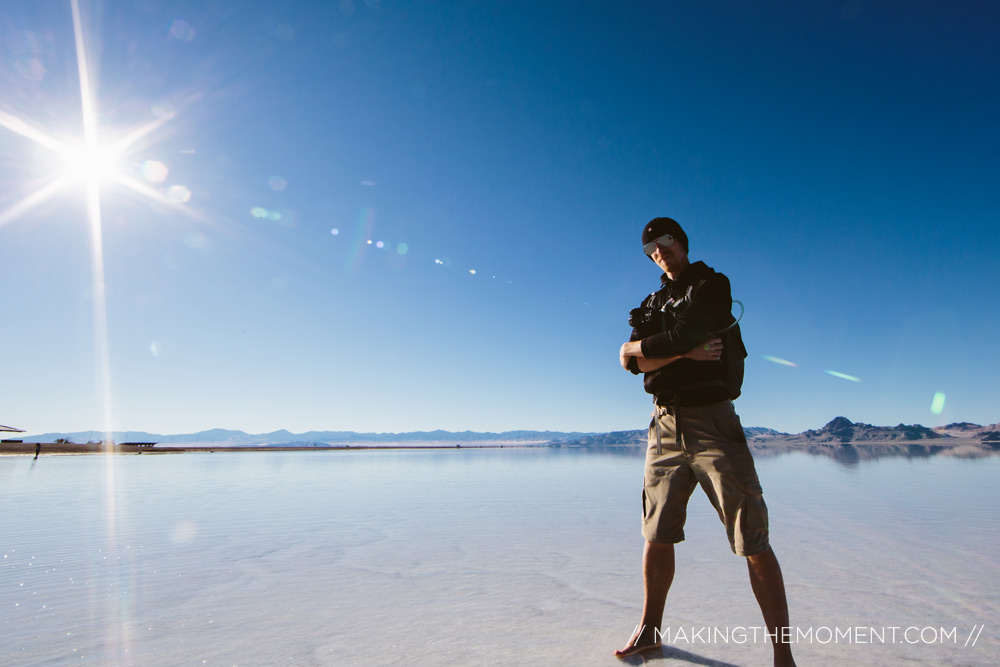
[[695, 436]]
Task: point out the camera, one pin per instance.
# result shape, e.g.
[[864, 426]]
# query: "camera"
[[640, 317], [647, 321]]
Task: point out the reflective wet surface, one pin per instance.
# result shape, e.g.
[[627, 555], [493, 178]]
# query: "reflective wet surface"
[[466, 557]]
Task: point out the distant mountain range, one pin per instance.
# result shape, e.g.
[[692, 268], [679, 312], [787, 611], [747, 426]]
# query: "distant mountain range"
[[839, 431], [842, 440], [223, 437]]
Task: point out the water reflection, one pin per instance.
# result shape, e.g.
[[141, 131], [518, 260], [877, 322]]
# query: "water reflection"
[[847, 454], [852, 454], [211, 554]]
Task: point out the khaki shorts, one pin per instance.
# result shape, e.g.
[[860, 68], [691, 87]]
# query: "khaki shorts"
[[713, 453]]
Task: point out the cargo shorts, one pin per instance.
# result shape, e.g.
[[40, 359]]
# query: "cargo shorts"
[[712, 452]]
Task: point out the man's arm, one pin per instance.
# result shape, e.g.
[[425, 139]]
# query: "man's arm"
[[649, 365], [710, 350], [632, 351]]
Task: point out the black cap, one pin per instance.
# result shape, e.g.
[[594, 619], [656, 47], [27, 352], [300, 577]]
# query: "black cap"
[[657, 227]]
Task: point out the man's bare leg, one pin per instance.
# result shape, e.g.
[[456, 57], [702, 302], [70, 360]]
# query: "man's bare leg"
[[769, 589], [657, 575]]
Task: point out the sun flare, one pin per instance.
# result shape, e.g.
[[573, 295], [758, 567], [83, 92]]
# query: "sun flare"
[[95, 165], [89, 163]]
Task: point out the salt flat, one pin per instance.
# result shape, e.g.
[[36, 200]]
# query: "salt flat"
[[487, 557]]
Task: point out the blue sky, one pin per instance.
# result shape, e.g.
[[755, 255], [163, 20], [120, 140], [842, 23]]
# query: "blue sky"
[[835, 159]]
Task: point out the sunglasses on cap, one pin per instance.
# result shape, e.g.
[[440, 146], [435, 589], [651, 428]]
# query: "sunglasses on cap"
[[666, 241]]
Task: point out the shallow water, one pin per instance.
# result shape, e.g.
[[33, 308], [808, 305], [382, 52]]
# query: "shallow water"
[[477, 557]]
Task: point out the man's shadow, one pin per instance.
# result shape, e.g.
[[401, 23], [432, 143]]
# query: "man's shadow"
[[673, 653]]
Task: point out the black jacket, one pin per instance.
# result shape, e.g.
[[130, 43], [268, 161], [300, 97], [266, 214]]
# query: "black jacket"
[[683, 313]]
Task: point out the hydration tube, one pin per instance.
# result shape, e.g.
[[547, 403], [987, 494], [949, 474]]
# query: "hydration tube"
[[742, 310]]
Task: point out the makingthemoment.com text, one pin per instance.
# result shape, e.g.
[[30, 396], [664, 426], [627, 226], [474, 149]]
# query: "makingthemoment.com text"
[[888, 634]]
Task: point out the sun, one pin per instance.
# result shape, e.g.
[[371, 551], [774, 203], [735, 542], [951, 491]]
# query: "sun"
[[89, 162], [86, 162]]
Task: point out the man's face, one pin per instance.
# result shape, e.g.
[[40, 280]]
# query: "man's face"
[[672, 259]]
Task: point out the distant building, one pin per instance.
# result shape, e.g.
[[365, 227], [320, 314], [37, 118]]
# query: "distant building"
[[8, 429]]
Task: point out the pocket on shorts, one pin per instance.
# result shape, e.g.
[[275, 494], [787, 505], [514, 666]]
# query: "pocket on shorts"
[[727, 424], [754, 528], [652, 475]]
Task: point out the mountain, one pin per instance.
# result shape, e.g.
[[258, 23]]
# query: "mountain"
[[624, 439], [965, 430], [839, 431], [761, 434], [637, 439], [843, 430], [228, 438]]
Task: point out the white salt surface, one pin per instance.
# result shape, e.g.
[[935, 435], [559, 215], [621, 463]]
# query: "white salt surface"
[[473, 557]]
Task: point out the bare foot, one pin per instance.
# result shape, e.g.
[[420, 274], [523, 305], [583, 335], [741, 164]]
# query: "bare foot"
[[642, 639]]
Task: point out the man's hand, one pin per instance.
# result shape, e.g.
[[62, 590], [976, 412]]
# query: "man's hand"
[[709, 350], [629, 349]]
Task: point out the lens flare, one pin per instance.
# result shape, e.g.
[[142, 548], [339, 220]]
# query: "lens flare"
[[180, 30], [179, 194], [154, 172], [362, 237], [937, 405], [843, 376], [164, 110], [184, 531], [780, 361], [29, 68], [195, 240]]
